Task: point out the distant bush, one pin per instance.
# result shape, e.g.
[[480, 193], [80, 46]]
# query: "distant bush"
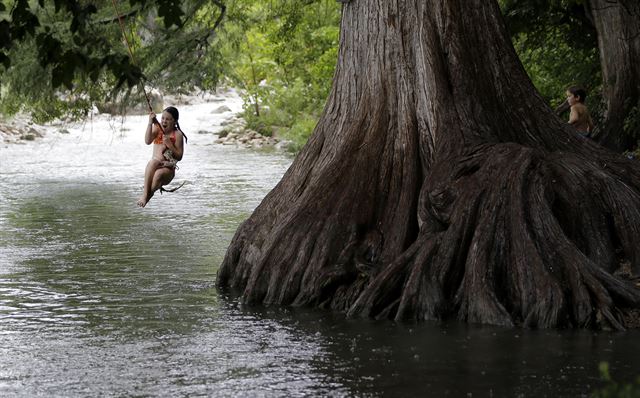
[[613, 389], [300, 132], [283, 61]]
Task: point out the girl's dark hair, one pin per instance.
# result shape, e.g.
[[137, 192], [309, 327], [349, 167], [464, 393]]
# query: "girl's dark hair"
[[577, 91], [176, 115]]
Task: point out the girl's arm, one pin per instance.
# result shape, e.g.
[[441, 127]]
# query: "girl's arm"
[[178, 148], [152, 130]]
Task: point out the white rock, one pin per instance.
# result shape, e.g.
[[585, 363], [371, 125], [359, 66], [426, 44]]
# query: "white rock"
[[221, 109]]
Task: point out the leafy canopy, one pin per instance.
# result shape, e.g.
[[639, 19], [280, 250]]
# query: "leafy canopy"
[[72, 54]]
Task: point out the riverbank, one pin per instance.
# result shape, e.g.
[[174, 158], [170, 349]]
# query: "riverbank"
[[221, 120], [20, 129]]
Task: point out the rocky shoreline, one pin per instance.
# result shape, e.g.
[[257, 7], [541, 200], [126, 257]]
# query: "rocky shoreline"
[[19, 130], [235, 132]]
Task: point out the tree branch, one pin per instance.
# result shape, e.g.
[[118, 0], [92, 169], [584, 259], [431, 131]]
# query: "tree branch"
[[223, 10], [116, 18]]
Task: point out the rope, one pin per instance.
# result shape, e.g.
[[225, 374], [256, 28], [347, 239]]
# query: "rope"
[[172, 189], [133, 60]]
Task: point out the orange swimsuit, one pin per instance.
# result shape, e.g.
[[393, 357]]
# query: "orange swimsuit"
[[159, 140]]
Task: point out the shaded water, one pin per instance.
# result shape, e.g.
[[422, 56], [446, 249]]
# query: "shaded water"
[[100, 298]]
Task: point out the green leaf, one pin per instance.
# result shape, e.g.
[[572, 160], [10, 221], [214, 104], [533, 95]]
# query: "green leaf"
[[24, 22], [59, 4], [57, 76], [4, 60], [5, 34], [603, 367], [171, 12], [49, 48]]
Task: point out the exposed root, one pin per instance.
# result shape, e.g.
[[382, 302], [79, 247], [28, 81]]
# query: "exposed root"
[[519, 265], [503, 251], [501, 254]]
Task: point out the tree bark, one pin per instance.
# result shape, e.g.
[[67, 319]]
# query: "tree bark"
[[438, 184], [618, 25]]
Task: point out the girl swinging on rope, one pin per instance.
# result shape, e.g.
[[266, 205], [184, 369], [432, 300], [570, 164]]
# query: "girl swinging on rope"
[[168, 148]]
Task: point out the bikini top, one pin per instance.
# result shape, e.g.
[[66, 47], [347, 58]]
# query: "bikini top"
[[159, 140]]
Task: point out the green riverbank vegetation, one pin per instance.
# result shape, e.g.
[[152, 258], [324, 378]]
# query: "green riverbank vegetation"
[[282, 55], [615, 389]]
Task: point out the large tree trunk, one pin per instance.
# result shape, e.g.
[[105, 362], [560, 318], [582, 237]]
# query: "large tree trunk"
[[618, 26], [438, 184]]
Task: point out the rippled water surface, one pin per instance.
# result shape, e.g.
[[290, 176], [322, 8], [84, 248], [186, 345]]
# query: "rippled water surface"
[[101, 298]]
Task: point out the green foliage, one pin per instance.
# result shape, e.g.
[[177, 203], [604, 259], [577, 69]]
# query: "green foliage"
[[614, 389], [65, 40], [283, 55], [556, 66], [536, 17], [73, 55], [181, 58], [40, 96], [632, 122], [632, 128], [557, 45], [300, 131]]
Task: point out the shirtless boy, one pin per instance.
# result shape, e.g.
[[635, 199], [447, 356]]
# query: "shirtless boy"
[[579, 116]]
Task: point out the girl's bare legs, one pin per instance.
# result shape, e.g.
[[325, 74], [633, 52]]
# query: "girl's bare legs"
[[162, 177], [159, 177], [149, 172]]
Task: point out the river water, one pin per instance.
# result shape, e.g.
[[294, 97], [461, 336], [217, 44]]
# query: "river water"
[[101, 298]]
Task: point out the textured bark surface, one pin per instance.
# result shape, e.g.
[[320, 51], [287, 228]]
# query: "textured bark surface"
[[438, 184], [618, 26]]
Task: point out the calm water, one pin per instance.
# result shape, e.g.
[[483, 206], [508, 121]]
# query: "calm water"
[[100, 298]]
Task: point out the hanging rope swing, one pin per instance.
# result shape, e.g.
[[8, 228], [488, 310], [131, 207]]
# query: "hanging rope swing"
[[144, 91]]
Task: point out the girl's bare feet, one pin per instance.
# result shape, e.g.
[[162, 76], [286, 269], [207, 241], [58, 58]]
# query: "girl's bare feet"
[[142, 202]]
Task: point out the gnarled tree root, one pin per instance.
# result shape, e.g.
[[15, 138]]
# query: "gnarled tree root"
[[510, 236]]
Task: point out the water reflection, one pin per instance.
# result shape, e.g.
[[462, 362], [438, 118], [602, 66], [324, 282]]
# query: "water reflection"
[[457, 360]]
